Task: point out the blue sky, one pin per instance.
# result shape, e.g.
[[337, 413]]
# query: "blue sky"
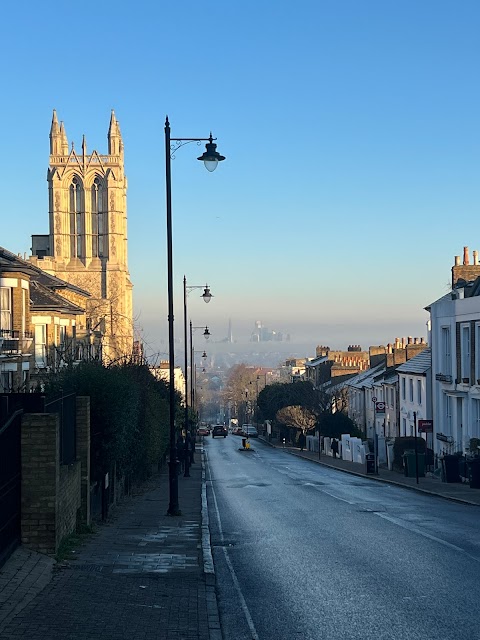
[[351, 130]]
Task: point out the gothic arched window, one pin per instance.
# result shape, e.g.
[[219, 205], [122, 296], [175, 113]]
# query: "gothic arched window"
[[98, 218], [76, 218]]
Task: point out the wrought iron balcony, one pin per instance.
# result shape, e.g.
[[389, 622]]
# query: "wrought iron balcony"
[[15, 342]]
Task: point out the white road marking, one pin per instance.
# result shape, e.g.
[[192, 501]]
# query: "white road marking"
[[243, 604], [409, 527]]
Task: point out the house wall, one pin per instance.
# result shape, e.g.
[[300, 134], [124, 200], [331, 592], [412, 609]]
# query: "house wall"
[[456, 400]]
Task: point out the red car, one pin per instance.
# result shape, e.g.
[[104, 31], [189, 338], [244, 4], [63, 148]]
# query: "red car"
[[202, 431]]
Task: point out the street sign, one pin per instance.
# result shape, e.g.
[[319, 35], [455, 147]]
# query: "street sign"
[[380, 407], [444, 438], [374, 399], [425, 426]]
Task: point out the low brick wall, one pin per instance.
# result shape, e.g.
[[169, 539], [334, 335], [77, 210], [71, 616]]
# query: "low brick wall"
[[54, 496]]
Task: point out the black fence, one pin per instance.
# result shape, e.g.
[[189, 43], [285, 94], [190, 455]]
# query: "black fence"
[[10, 484], [66, 407]]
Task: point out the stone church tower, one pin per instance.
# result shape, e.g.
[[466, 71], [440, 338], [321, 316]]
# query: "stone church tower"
[[87, 240]]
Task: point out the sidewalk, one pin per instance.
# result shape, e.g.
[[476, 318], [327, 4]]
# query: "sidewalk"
[[142, 575], [433, 486]]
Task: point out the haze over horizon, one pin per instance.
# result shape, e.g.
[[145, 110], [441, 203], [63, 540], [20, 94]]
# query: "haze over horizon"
[[351, 135]]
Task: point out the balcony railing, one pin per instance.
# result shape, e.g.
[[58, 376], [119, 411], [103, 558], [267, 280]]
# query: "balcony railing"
[[15, 342]]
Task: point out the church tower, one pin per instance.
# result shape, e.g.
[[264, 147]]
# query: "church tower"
[[87, 240]]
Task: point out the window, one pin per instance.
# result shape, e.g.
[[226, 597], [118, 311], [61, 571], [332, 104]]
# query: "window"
[[410, 386], [76, 218], [448, 414], [6, 309], [404, 388], [391, 397], [41, 345], [404, 425], [477, 353], [465, 352], [419, 391], [476, 419], [6, 381], [446, 353], [98, 219]]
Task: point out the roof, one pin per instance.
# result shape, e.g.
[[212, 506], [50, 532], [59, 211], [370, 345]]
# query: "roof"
[[43, 299], [9, 261], [365, 378], [315, 361], [419, 364]]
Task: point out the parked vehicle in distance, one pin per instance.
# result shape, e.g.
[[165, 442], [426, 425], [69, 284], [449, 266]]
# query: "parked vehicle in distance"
[[203, 431], [249, 431], [219, 430], [237, 431]]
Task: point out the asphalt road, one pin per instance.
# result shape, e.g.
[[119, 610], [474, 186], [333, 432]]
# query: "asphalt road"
[[303, 551]]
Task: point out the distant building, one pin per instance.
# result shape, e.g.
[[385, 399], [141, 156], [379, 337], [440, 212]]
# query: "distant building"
[[162, 372]]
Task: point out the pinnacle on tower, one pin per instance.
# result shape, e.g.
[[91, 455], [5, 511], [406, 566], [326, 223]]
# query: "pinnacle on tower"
[[114, 137], [63, 135], [55, 136]]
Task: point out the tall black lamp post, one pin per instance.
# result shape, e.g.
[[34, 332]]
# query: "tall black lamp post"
[[211, 158], [207, 296]]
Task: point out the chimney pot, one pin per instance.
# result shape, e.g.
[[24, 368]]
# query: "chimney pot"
[[410, 340], [466, 259], [457, 261], [475, 257]]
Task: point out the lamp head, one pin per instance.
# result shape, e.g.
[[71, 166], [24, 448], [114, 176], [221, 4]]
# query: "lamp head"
[[207, 296], [206, 333], [211, 157], [204, 354]]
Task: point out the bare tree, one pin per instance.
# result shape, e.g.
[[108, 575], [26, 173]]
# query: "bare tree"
[[297, 417]]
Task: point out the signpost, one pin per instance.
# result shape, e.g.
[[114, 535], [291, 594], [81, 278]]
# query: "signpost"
[[375, 441]]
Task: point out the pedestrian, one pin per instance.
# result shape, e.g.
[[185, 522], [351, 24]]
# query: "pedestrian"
[[334, 447], [180, 453], [190, 447], [301, 440]]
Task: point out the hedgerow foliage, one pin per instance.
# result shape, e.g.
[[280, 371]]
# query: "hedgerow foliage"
[[129, 415]]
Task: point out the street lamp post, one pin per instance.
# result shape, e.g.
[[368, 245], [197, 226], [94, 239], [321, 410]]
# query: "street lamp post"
[[206, 335], [207, 296], [194, 379], [211, 158]]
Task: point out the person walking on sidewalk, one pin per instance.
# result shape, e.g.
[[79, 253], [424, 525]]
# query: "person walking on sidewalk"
[[301, 441], [334, 447], [180, 453]]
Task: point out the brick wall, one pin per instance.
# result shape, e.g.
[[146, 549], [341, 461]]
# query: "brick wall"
[[54, 496]]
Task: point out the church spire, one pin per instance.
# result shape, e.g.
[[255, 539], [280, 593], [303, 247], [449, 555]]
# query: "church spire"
[[55, 136], [114, 137]]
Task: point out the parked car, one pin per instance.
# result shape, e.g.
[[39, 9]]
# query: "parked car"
[[249, 431], [219, 430], [203, 431]]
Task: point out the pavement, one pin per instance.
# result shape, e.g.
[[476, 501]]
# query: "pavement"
[[142, 575], [432, 485]]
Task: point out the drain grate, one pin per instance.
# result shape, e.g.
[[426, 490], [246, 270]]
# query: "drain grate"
[[87, 567]]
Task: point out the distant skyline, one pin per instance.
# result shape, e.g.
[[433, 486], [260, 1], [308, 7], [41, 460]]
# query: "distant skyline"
[[351, 132]]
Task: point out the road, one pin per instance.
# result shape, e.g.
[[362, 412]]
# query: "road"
[[304, 551]]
